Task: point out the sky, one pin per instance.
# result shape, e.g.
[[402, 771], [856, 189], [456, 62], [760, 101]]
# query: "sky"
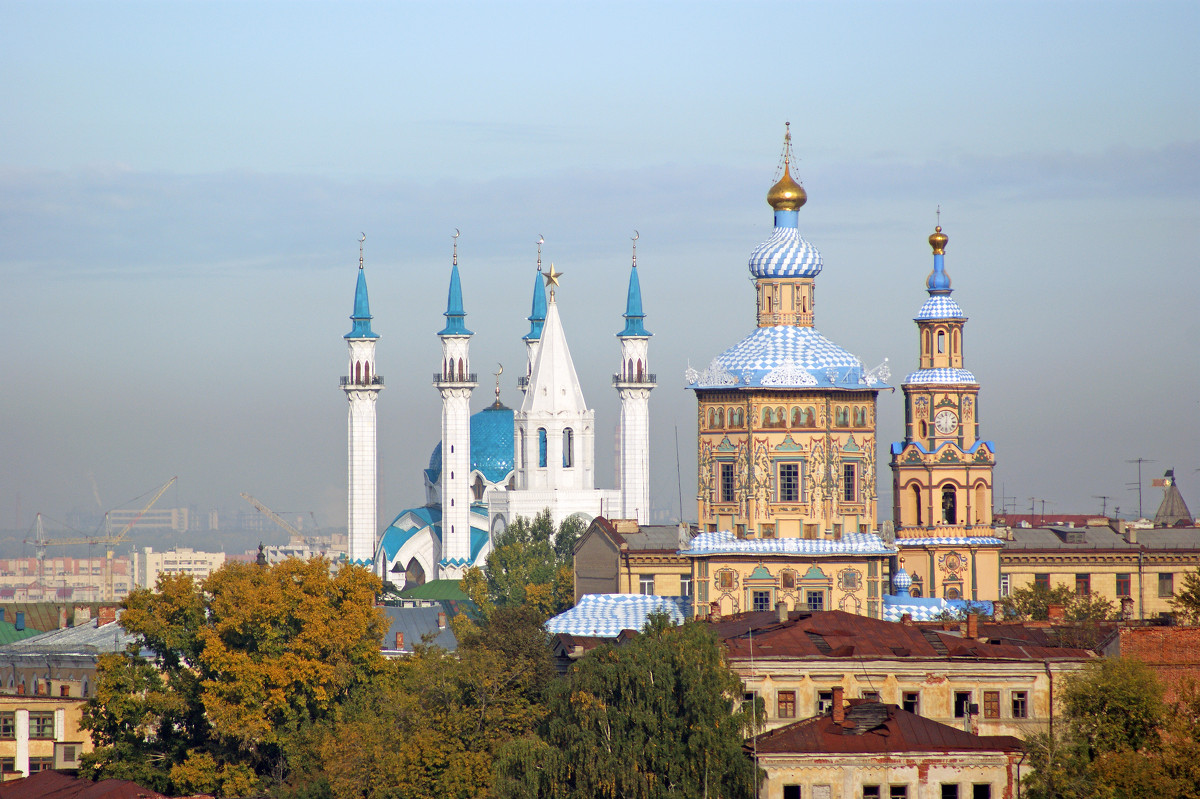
[[182, 188]]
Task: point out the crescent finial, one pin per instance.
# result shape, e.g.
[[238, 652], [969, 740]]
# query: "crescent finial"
[[500, 370], [636, 235]]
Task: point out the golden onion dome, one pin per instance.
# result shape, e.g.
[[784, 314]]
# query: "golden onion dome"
[[937, 240], [787, 194]]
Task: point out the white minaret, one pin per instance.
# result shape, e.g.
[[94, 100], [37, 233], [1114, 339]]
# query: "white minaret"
[[634, 384], [455, 382], [362, 386]]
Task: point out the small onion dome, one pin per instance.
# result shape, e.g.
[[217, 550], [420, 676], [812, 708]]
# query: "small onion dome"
[[787, 194], [900, 580], [937, 240]]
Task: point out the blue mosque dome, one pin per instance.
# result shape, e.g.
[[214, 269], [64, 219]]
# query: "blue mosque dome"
[[491, 445]]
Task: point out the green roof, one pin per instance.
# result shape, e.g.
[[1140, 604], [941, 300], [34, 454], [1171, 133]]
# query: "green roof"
[[436, 590], [9, 633]]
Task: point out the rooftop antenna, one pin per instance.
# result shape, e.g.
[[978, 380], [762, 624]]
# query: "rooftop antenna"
[[1103, 504], [1139, 462], [360, 248]]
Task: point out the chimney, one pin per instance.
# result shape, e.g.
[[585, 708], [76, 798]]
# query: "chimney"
[[442, 620], [714, 611], [839, 712], [972, 625], [20, 623], [1130, 533], [399, 641], [62, 617], [1057, 614], [781, 612], [906, 620], [21, 689], [106, 614], [83, 614]]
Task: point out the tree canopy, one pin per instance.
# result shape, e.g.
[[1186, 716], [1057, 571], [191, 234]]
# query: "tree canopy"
[[652, 717], [530, 564], [239, 667], [1032, 603], [1186, 601]]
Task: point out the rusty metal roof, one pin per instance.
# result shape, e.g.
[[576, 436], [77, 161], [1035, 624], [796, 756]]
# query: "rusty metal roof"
[[53, 785], [833, 634], [875, 728]]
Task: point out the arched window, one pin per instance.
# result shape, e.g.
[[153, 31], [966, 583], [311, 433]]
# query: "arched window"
[[522, 447], [981, 504], [542, 447], [367, 372], [916, 494], [720, 417], [954, 343], [629, 369], [639, 370], [358, 372], [925, 341], [568, 448], [768, 418], [462, 372], [949, 505], [923, 428], [941, 342], [780, 417]]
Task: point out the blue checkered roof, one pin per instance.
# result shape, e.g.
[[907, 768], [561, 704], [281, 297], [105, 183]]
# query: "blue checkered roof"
[[940, 306], [768, 349], [940, 376], [726, 543], [606, 615], [785, 254]]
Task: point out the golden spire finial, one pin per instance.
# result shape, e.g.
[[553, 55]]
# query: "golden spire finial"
[[787, 194], [457, 233], [360, 244], [552, 276], [541, 240], [938, 239]]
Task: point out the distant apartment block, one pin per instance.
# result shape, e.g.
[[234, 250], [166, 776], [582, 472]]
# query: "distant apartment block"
[[148, 564], [154, 519], [61, 579]]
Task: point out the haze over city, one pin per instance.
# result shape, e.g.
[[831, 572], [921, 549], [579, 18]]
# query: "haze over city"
[[183, 187]]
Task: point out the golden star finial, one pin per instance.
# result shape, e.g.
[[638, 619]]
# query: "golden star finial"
[[552, 276]]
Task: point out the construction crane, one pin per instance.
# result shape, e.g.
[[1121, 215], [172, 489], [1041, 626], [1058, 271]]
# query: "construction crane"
[[110, 540], [297, 537]]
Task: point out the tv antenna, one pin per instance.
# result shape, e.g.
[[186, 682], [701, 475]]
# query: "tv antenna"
[[1139, 462]]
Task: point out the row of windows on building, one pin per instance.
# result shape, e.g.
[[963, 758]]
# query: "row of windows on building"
[[1083, 583], [789, 484], [41, 725], [949, 790], [964, 703], [568, 447], [797, 417]]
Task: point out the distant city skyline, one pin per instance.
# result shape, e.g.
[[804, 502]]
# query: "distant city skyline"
[[182, 187]]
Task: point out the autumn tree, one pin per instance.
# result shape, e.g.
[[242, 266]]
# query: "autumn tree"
[[652, 717], [238, 668], [1032, 603], [530, 563], [432, 725], [1186, 601]]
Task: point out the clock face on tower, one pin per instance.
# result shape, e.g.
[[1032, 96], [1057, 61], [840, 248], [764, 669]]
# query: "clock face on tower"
[[946, 422]]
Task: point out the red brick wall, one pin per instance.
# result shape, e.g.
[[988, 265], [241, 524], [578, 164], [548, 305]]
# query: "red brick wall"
[[1173, 653]]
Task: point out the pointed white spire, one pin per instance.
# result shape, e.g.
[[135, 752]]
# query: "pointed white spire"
[[554, 385]]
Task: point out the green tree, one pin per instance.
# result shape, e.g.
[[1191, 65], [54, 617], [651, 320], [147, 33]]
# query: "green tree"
[[1186, 601], [652, 717], [530, 563], [240, 667], [431, 726], [1032, 603]]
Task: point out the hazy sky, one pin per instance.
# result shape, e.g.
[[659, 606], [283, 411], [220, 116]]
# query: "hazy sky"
[[182, 186]]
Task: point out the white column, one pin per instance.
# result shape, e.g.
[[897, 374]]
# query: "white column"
[[21, 763], [455, 386], [634, 384]]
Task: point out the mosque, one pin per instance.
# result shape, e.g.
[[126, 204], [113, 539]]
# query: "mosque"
[[499, 463]]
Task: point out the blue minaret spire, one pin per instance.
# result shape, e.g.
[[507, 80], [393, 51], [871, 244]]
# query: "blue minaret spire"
[[537, 316], [633, 301], [362, 306], [454, 304]]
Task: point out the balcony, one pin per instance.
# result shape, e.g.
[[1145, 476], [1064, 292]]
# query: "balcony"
[[442, 380], [376, 380], [644, 379]]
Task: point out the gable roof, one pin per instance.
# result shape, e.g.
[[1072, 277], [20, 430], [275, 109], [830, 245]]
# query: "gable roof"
[[837, 634], [875, 728], [54, 785]]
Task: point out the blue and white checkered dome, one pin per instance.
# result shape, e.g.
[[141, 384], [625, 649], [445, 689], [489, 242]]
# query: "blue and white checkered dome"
[[786, 253], [940, 306], [946, 376], [790, 356], [901, 580]]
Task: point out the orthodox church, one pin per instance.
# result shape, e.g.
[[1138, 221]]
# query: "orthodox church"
[[497, 464]]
